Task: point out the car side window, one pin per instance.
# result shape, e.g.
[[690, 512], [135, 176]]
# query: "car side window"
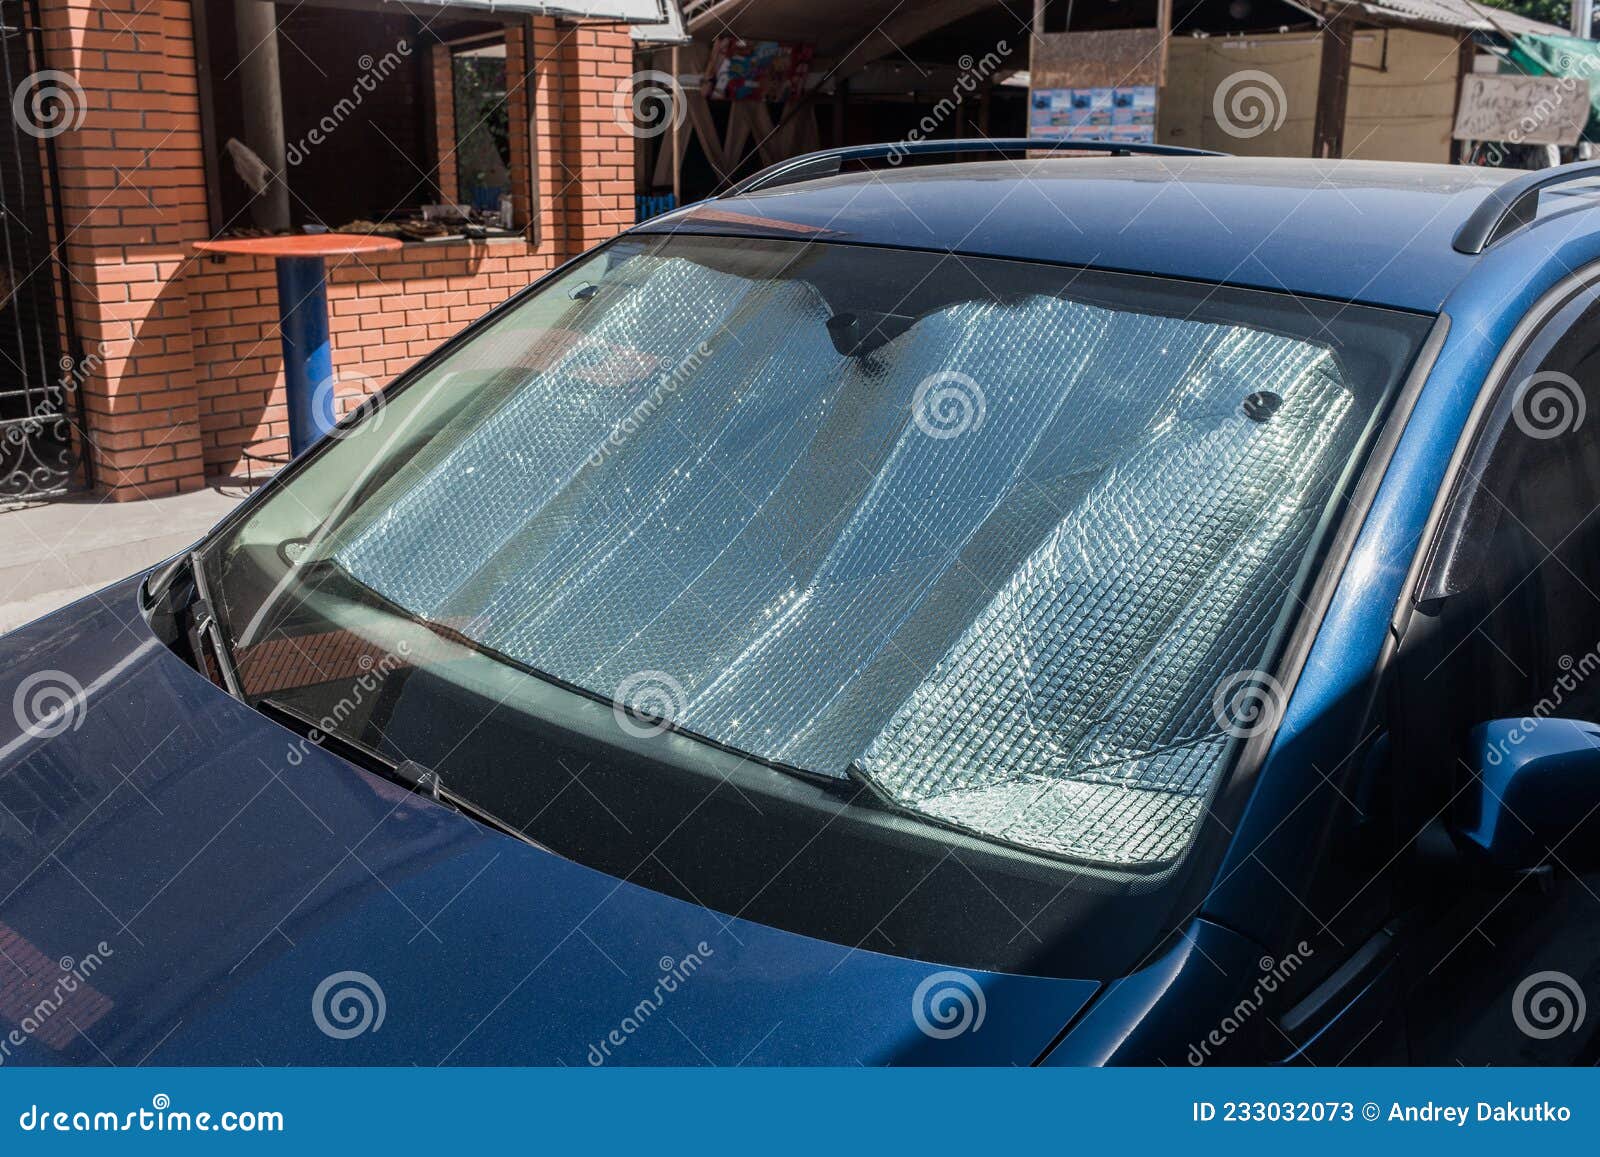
[[1508, 628], [1517, 565]]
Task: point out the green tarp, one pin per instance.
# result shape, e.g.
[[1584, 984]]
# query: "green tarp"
[[1562, 56]]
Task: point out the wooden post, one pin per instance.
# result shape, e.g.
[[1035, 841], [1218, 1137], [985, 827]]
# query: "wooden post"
[[642, 144], [677, 136], [1466, 55], [1035, 33], [1164, 31], [1035, 36], [1333, 85]]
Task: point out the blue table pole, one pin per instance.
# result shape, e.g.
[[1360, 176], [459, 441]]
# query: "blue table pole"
[[307, 354]]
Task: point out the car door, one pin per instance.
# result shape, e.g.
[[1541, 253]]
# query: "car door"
[[1499, 965]]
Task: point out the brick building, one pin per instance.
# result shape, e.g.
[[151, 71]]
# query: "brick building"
[[177, 363]]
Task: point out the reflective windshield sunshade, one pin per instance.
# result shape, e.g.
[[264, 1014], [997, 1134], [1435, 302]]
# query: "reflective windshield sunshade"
[[1077, 713], [995, 558]]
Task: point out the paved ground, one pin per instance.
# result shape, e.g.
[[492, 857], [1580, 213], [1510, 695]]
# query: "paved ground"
[[56, 552]]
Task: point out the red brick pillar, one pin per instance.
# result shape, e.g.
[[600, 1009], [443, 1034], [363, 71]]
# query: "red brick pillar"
[[132, 184], [444, 121], [596, 62]]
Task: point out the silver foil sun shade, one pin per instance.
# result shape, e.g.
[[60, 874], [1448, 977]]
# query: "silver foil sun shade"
[[1016, 628]]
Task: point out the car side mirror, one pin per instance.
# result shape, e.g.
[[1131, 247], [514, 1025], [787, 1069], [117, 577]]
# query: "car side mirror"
[[1538, 779]]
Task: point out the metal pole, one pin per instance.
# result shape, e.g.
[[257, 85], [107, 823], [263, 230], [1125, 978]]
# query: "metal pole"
[[261, 92], [307, 355], [1582, 17]]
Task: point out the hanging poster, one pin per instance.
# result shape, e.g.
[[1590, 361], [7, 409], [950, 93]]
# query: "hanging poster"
[[1530, 110], [1125, 113], [772, 70]]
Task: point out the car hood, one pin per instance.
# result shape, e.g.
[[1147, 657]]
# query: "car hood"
[[184, 881]]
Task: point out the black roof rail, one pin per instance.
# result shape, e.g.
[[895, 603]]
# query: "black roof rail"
[[1515, 204], [829, 161]]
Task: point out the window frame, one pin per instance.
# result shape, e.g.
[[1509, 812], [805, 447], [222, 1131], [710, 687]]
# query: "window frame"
[[214, 164], [1454, 542]]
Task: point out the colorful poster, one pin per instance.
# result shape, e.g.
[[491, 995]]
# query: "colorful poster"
[[1125, 114], [772, 70]]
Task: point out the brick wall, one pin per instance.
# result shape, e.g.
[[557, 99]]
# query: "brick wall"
[[386, 310], [597, 163], [444, 120], [192, 368], [133, 194]]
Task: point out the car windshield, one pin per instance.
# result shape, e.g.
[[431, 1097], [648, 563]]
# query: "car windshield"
[[993, 547]]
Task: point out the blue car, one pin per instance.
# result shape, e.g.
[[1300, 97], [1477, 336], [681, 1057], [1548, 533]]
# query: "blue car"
[[1131, 609]]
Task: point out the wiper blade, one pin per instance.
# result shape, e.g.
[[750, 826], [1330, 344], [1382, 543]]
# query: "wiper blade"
[[426, 781], [408, 773], [204, 628], [420, 779]]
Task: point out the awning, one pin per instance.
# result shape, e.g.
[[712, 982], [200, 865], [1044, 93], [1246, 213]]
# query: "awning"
[[669, 31], [1465, 15], [1562, 56], [615, 11]]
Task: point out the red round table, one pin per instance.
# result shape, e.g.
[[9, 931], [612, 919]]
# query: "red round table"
[[303, 317]]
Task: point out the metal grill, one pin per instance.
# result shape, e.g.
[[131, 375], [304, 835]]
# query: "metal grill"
[[40, 404]]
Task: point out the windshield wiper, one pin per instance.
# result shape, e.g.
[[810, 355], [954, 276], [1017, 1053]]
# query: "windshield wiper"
[[204, 628], [408, 773]]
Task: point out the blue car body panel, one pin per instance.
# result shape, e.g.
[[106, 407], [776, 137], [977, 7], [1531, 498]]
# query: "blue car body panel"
[[229, 880], [1349, 230]]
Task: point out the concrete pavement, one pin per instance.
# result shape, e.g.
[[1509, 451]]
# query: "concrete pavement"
[[54, 553]]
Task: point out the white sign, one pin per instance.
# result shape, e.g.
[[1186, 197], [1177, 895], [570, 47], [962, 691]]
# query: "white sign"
[[1524, 110]]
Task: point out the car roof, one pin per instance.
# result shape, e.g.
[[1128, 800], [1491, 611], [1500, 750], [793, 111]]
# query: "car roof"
[[1377, 232]]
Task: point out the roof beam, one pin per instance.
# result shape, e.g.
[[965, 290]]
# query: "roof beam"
[[903, 26]]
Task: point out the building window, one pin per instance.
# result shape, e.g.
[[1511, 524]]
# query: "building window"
[[366, 145], [481, 137]]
